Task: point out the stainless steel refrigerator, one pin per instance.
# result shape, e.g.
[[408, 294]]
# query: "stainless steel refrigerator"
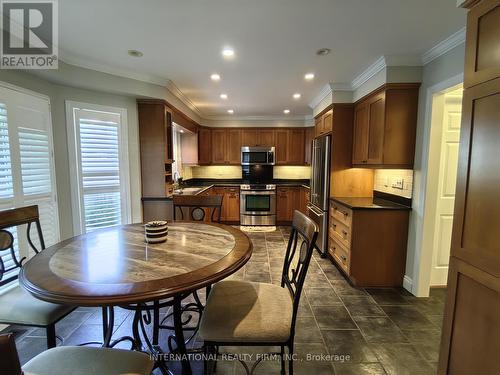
[[320, 189]]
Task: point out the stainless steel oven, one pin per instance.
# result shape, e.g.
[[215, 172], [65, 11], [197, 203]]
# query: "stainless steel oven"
[[257, 156], [258, 204]]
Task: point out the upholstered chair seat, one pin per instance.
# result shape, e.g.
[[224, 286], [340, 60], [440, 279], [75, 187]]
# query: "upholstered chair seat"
[[240, 311]]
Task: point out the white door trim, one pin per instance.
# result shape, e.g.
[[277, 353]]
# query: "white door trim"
[[423, 252], [76, 196]]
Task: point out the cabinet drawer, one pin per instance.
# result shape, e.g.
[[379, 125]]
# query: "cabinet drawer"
[[341, 213], [340, 232], [339, 254]]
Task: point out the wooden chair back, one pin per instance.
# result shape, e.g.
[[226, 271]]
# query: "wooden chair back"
[[9, 359], [298, 255], [13, 218], [198, 206]]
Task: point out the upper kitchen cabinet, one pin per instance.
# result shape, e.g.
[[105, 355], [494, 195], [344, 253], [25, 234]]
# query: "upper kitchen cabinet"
[[384, 127], [309, 133], [226, 146], [257, 137], [204, 146], [323, 123], [289, 146], [155, 135]]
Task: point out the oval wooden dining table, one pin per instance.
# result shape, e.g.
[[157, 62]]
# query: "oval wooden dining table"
[[116, 267]]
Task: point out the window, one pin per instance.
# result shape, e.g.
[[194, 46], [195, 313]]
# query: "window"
[[27, 175], [99, 166]]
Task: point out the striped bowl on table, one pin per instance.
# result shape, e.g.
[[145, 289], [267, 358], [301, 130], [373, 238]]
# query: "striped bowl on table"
[[156, 231]]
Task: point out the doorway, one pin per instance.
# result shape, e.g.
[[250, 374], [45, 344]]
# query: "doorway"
[[441, 182]]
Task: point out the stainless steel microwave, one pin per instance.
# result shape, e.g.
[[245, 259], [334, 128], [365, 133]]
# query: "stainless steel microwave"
[[257, 155]]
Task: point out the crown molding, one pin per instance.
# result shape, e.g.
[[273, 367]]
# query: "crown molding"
[[369, 72], [259, 118], [444, 46], [325, 91], [102, 68], [172, 87]]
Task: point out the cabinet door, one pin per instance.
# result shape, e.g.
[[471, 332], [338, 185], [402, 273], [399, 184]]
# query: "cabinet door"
[[233, 146], [327, 122], [482, 60], [281, 152], [249, 137], [295, 147], [282, 203], [295, 201], [360, 136], [204, 146], [266, 138], [308, 138], [318, 126], [232, 204], [219, 146], [376, 127]]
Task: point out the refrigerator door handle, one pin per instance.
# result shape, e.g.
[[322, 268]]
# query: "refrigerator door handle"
[[315, 211]]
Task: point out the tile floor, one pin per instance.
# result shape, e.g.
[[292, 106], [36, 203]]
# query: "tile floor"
[[364, 331]]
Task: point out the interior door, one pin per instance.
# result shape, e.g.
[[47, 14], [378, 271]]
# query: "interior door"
[[450, 140]]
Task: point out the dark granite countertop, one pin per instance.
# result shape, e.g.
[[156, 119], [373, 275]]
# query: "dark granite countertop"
[[369, 203]]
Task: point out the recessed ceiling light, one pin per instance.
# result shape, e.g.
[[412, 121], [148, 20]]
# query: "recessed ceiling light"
[[215, 77], [286, 111], [296, 95], [323, 51], [223, 96], [230, 111], [228, 52], [134, 53], [309, 76], [182, 131]]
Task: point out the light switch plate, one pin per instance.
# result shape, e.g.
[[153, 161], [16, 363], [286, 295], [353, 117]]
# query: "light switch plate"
[[398, 183]]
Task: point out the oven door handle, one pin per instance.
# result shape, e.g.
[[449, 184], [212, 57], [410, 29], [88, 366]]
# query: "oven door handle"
[[266, 192]]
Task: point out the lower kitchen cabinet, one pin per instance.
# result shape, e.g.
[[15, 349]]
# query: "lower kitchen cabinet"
[[369, 245], [287, 200], [230, 202]]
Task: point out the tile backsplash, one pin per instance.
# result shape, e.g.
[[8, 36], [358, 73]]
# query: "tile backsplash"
[[227, 172], [394, 181]]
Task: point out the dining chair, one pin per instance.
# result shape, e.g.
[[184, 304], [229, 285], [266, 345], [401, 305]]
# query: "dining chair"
[[17, 306], [243, 313], [75, 360], [198, 206]]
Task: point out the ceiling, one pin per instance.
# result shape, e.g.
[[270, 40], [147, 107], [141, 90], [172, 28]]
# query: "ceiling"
[[275, 44]]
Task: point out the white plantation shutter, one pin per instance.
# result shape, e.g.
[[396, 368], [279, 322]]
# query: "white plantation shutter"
[[100, 180], [27, 174]]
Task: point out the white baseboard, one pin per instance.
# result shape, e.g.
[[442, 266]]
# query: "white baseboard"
[[408, 283]]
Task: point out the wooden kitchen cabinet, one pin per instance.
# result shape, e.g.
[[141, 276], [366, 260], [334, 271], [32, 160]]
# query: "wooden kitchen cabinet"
[[324, 123], [233, 150], [257, 137], [219, 146], [204, 146], [384, 127], [369, 245], [308, 139], [471, 326], [305, 197], [226, 146], [289, 146], [231, 204], [287, 201]]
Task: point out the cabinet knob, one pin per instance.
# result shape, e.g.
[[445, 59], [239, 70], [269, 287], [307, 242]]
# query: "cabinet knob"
[[345, 232], [344, 258], [334, 226]]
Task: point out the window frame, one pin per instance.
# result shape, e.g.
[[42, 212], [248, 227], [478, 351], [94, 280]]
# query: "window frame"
[[75, 165], [18, 198]]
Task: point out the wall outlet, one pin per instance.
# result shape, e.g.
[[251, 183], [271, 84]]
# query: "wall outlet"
[[398, 183]]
